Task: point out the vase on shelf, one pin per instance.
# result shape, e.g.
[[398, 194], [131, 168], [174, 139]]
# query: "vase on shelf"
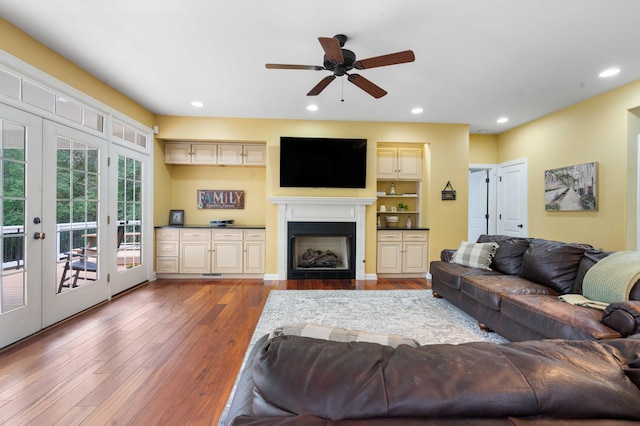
[[392, 191]]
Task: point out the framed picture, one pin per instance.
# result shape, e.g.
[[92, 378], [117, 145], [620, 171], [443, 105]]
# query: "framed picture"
[[571, 188], [176, 217]]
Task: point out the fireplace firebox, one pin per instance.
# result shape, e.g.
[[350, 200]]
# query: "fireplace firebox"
[[321, 250]]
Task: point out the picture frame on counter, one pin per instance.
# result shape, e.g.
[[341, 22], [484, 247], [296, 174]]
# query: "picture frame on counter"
[[176, 217]]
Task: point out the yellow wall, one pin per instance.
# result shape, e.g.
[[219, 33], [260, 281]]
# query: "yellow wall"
[[26, 48], [483, 149], [447, 147], [598, 129]]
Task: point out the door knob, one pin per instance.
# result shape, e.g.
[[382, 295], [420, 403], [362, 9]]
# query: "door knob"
[[39, 236], [521, 226]]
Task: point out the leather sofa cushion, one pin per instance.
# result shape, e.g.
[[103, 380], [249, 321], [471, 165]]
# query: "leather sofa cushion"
[[549, 378], [489, 290], [590, 258], [450, 274], [508, 257], [556, 320], [553, 263]]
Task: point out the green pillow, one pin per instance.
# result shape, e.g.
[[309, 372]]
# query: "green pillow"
[[475, 255]]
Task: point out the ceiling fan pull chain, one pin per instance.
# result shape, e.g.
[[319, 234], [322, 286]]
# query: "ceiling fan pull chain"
[[342, 97]]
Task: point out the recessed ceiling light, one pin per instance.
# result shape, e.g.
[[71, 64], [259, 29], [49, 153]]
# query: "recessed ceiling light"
[[312, 107], [197, 104], [609, 72], [502, 120], [417, 110]]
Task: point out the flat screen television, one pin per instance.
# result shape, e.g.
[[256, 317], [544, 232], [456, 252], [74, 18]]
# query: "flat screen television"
[[323, 162]]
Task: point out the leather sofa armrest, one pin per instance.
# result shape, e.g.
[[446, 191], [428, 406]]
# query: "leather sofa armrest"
[[624, 317], [447, 254]]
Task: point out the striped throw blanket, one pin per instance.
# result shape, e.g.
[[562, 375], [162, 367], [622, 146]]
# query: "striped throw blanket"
[[611, 279]]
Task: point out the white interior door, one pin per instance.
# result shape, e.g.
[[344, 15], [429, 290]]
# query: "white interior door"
[[78, 232], [513, 198], [21, 252], [478, 204]]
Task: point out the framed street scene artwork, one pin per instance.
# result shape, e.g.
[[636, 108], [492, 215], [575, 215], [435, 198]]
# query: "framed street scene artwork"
[[571, 188]]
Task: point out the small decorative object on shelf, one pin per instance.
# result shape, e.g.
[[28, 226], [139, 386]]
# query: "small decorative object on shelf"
[[409, 222], [402, 206], [392, 191], [379, 222]]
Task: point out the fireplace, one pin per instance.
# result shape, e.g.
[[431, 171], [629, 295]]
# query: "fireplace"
[[321, 250], [292, 209]]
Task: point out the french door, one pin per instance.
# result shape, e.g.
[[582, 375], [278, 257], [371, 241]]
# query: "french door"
[[79, 235], [21, 233]]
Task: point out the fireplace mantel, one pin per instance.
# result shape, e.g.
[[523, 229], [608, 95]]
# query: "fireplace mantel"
[[321, 209]]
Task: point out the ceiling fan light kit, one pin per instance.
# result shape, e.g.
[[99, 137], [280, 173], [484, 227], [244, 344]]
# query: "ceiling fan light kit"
[[340, 61]]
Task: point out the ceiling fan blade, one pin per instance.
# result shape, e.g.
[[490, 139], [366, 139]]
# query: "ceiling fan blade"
[[384, 60], [367, 86], [320, 86], [332, 48], [294, 67]]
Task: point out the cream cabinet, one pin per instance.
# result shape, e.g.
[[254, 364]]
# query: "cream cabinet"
[[215, 154], [195, 251], [399, 163], [242, 155], [403, 252], [190, 153], [227, 251], [167, 250], [254, 251], [205, 251]]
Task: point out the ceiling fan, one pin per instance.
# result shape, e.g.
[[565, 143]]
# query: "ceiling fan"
[[340, 61]]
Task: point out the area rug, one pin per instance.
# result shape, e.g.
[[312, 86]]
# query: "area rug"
[[414, 313]]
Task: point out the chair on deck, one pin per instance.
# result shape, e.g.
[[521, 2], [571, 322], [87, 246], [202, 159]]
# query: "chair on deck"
[[82, 264]]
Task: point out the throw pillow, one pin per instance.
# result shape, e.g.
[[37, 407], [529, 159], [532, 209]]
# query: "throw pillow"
[[336, 334], [475, 255], [508, 258]]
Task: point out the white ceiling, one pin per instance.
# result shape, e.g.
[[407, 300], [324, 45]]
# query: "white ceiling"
[[475, 60]]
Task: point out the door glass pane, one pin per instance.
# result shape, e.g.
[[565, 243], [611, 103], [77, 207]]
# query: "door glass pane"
[[12, 201], [77, 206], [129, 212]]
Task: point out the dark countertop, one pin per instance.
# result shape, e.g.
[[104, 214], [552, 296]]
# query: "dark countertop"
[[234, 226], [399, 228]]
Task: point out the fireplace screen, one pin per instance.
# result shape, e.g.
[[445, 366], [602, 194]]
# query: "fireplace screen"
[[324, 250], [313, 252]]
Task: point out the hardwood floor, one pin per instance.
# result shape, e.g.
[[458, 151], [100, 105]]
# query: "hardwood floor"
[[165, 353]]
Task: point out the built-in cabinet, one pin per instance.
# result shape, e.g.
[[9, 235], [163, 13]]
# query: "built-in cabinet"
[[403, 252], [226, 251], [399, 180], [399, 163], [215, 154]]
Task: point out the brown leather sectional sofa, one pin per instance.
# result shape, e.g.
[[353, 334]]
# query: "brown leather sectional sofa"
[[292, 380], [518, 298]]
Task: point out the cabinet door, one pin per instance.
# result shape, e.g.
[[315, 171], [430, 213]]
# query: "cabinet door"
[[254, 257], [255, 155], [415, 257], [177, 153], [230, 155], [387, 163], [206, 153], [389, 258], [227, 257], [409, 163], [195, 257]]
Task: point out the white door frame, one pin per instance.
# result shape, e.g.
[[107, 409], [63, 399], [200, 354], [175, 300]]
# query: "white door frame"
[[491, 193]]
